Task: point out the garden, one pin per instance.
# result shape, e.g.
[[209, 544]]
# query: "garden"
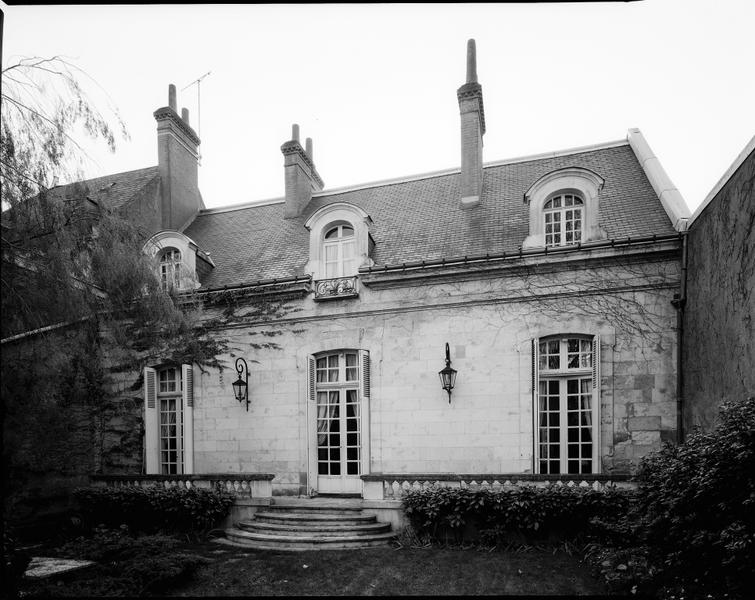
[[688, 531]]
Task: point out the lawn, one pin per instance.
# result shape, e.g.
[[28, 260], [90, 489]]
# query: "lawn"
[[389, 571]]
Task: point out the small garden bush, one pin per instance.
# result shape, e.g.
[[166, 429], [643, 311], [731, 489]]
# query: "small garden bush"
[[154, 509], [502, 516], [692, 529], [126, 566]]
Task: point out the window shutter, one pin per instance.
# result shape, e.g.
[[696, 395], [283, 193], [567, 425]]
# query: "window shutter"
[[187, 391], [150, 387], [535, 404], [151, 433], [364, 362], [596, 363], [187, 378], [311, 379]]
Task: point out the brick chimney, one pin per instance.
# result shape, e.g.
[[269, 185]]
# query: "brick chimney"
[[300, 174], [472, 130], [177, 161]]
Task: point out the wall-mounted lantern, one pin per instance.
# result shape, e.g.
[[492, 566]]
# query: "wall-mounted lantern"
[[241, 385], [448, 375]]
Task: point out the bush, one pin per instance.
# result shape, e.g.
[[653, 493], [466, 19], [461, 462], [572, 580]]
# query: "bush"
[[694, 519], [154, 509], [126, 566], [505, 515]]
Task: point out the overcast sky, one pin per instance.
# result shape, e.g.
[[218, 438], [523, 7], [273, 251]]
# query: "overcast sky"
[[375, 85]]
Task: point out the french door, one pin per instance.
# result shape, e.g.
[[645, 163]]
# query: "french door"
[[339, 424]]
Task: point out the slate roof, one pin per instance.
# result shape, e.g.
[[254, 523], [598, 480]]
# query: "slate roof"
[[112, 191], [421, 218]]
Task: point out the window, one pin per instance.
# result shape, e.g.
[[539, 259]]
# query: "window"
[[566, 404], [563, 220], [340, 251], [170, 269], [171, 421], [339, 244], [338, 414], [564, 208], [168, 420]]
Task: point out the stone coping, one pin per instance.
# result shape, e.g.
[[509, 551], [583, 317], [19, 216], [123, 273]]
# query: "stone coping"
[[193, 477], [478, 477]]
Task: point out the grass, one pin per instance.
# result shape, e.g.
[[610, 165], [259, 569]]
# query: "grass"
[[389, 571]]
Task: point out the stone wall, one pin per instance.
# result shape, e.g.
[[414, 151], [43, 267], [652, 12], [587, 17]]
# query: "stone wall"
[[489, 321], [719, 333]]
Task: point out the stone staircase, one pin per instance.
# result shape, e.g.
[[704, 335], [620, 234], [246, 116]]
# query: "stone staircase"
[[310, 524]]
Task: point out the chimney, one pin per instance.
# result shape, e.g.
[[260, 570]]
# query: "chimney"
[[300, 174], [177, 161], [472, 130]]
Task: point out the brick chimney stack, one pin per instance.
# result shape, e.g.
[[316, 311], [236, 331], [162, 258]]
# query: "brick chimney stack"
[[177, 161], [300, 174], [472, 130]]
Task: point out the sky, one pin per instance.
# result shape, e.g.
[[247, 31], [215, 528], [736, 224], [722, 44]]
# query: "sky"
[[375, 85]]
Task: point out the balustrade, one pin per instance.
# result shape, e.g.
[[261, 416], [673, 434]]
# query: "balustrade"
[[244, 485], [388, 486]]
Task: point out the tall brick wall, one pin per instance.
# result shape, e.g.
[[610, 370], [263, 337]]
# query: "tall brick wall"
[[719, 333]]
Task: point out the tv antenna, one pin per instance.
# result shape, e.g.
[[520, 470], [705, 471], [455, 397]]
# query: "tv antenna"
[[199, 120]]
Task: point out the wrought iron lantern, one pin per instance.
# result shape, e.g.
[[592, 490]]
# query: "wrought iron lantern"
[[241, 385], [448, 375]]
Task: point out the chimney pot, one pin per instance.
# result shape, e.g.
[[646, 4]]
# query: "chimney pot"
[[172, 96], [471, 62], [309, 149], [295, 132], [185, 115]]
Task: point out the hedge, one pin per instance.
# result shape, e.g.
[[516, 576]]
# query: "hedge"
[[153, 509], [500, 514]]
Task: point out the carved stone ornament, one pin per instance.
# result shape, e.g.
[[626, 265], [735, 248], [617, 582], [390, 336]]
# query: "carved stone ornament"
[[340, 287]]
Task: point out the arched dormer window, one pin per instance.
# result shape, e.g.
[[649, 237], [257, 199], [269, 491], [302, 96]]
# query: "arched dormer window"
[[562, 216], [339, 243], [340, 250], [564, 208], [175, 260], [170, 269]]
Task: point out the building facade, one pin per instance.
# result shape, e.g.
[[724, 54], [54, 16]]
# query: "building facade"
[[546, 281]]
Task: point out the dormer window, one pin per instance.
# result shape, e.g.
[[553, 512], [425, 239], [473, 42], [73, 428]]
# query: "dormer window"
[[340, 250], [339, 243], [170, 269], [563, 220], [175, 260], [564, 208]]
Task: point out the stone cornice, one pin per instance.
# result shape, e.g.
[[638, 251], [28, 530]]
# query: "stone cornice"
[[167, 113]]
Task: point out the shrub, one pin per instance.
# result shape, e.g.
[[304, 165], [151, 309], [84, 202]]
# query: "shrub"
[[154, 509], [503, 515], [126, 566], [693, 522]]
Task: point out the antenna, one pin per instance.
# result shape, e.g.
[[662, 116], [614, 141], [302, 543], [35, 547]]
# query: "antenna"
[[199, 114]]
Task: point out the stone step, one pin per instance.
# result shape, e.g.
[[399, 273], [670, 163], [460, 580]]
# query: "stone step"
[[315, 508], [313, 518], [325, 530], [263, 541]]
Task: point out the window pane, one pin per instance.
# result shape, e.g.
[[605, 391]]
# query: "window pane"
[[347, 231], [333, 233]]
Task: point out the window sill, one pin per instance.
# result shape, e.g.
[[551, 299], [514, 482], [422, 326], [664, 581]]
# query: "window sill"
[[337, 288]]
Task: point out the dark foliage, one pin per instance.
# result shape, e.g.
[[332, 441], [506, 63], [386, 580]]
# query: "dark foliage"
[[691, 531], [500, 516], [153, 509], [126, 565]]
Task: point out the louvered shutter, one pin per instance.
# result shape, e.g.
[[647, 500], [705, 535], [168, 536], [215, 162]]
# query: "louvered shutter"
[[535, 405], [311, 379], [187, 393], [364, 389], [151, 433], [364, 376], [596, 443]]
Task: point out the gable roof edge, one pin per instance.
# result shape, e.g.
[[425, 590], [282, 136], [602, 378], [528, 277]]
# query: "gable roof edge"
[[748, 149], [670, 197]]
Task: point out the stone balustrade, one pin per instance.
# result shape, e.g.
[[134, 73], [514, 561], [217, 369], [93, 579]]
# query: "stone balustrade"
[[392, 486], [244, 485]]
